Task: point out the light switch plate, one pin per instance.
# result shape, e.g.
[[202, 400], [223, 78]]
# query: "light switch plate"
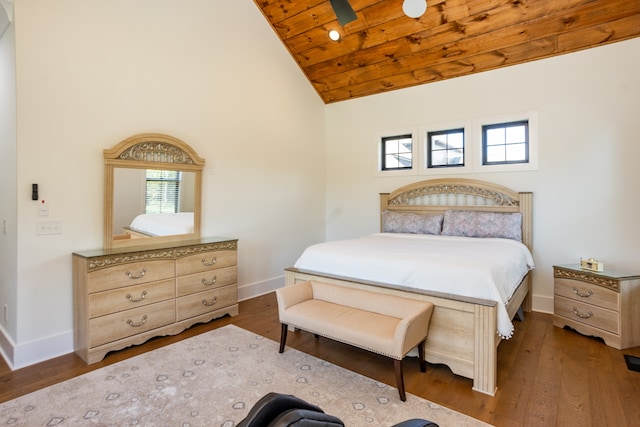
[[48, 227]]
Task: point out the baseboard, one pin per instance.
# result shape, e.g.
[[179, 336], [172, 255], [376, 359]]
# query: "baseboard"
[[43, 349], [542, 304], [7, 347], [253, 290]]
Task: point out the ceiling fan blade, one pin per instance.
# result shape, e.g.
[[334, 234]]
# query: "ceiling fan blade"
[[343, 11]]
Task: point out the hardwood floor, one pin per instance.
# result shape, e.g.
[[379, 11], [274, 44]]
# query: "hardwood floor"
[[546, 376]]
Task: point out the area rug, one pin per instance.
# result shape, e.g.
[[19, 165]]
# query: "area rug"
[[213, 379]]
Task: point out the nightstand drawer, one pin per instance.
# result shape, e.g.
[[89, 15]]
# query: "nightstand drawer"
[[587, 293], [588, 314]]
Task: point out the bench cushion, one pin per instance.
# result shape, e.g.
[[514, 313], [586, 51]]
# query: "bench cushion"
[[380, 323]]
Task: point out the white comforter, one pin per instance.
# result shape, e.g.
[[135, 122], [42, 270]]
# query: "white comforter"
[[165, 224], [484, 268]]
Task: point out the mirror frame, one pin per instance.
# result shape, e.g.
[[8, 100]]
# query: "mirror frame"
[[150, 151]]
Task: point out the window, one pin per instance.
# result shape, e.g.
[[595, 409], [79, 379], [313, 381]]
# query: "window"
[[162, 191], [397, 152], [445, 148], [505, 143]]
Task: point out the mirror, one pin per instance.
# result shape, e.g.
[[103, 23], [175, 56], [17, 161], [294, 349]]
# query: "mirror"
[[152, 191]]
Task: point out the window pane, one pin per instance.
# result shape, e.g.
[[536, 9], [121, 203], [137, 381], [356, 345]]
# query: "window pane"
[[456, 140], [516, 152], [495, 136], [456, 157], [438, 142], [515, 134], [439, 158], [496, 153], [391, 161], [391, 146], [404, 146], [404, 160]]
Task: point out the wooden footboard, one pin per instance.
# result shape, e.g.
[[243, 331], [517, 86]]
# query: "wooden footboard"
[[462, 333]]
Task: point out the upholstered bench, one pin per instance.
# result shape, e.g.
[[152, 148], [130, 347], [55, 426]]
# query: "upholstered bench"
[[384, 324]]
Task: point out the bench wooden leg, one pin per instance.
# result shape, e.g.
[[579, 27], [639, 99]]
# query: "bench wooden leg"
[[423, 362], [399, 378], [283, 336]]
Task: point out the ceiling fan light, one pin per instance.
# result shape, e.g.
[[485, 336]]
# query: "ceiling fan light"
[[414, 8]]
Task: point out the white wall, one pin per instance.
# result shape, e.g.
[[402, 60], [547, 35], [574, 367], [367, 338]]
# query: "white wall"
[[211, 73], [586, 200], [8, 213]]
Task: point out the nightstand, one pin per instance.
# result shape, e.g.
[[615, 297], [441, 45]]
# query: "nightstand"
[[603, 304]]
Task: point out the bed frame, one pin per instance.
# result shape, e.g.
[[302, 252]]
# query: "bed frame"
[[462, 332]]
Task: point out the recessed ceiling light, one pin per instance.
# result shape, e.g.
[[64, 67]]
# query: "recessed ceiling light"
[[414, 8], [334, 35]]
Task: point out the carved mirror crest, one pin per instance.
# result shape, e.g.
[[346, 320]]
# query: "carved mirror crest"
[[153, 186]]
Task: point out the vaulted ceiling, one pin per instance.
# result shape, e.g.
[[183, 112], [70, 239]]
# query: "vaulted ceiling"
[[384, 50]]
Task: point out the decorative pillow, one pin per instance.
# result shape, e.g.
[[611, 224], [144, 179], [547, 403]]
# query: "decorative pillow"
[[483, 224], [400, 222]]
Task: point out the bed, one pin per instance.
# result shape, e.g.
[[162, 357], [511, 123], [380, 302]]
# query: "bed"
[[164, 224], [465, 330]]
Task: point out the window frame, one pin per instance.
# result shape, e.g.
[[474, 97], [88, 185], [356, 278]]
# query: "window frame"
[[429, 149], [395, 133], [384, 152], [505, 126], [531, 116], [424, 131]]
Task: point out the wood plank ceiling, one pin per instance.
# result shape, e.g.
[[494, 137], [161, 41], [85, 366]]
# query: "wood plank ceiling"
[[384, 50]]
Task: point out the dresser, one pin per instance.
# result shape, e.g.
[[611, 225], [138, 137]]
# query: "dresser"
[[603, 304], [123, 297]]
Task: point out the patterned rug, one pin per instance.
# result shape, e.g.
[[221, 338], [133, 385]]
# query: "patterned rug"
[[213, 379]]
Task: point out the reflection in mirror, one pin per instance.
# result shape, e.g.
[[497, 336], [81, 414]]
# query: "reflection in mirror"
[[152, 191], [150, 202]]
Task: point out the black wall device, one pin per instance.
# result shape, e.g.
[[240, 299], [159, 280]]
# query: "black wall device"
[[34, 191]]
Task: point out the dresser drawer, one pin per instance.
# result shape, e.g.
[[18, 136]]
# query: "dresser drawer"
[[205, 261], [591, 315], [130, 274], [107, 302], [115, 326], [587, 293], [204, 302], [199, 282]]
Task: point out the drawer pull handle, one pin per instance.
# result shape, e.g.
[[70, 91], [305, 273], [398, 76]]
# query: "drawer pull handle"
[[140, 323], [209, 263], [210, 282], [580, 315], [131, 275], [209, 303], [577, 292], [140, 298]]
